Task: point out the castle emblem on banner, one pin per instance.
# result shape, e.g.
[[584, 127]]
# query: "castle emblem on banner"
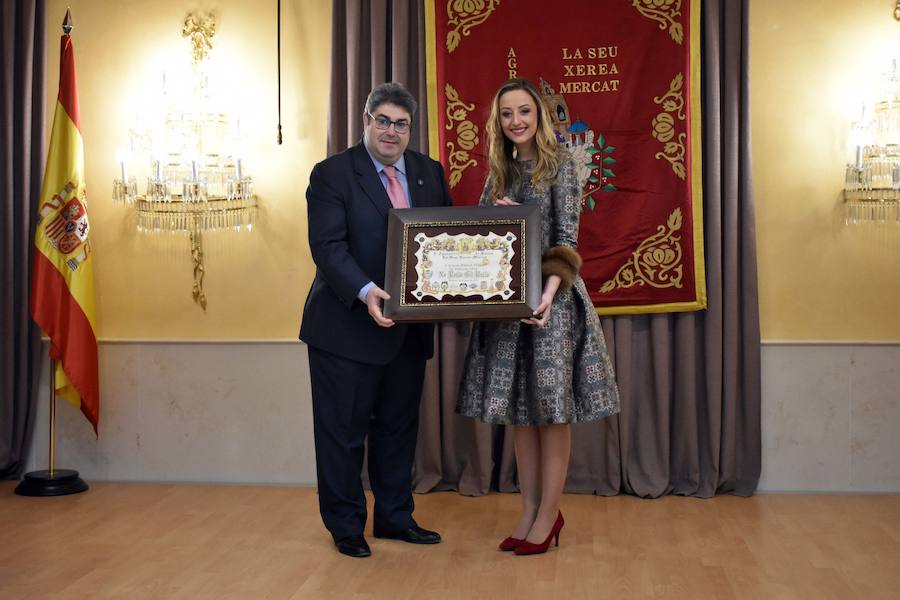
[[68, 229], [593, 158]]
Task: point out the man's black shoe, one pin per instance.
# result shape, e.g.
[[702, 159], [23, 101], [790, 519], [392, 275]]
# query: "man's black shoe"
[[413, 535], [354, 545]]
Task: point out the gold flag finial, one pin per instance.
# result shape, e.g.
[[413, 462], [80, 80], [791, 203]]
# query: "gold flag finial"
[[67, 22]]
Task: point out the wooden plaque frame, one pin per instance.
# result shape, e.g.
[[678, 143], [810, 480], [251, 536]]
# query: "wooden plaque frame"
[[521, 224]]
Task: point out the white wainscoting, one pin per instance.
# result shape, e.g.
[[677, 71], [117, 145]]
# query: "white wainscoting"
[[192, 412], [241, 413], [831, 417]]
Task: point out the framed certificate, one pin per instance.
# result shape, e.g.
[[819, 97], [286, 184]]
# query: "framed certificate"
[[463, 263]]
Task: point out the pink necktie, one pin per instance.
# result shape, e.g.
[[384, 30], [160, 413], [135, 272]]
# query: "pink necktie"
[[395, 189]]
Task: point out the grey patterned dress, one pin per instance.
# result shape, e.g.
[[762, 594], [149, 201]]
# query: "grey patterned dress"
[[519, 374]]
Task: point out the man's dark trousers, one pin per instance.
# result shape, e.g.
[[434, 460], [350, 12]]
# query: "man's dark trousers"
[[351, 399]]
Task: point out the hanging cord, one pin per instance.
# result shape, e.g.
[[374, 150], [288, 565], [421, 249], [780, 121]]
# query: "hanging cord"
[[279, 71]]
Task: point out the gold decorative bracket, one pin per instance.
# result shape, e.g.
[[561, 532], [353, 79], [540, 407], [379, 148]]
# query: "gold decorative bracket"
[[200, 28], [897, 11], [199, 270]]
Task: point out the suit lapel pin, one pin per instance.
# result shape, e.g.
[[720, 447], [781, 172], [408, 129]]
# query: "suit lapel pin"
[[421, 182]]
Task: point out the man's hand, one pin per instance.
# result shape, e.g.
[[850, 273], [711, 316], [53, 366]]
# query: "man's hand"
[[373, 302]]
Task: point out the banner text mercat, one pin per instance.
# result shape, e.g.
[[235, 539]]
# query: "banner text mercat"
[[588, 87]]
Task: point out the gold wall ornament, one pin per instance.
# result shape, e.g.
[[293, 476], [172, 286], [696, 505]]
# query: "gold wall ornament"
[[199, 269], [897, 11], [665, 12], [466, 135], [656, 261], [463, 15], [200, 29], [665, 128]]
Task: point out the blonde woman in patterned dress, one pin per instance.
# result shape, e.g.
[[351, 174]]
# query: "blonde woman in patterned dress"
[[546, 372]]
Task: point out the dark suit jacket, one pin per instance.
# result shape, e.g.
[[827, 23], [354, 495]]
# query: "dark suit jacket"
[[348, 211]]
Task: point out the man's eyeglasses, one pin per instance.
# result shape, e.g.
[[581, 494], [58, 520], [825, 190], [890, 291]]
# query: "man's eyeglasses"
[[383, 123]]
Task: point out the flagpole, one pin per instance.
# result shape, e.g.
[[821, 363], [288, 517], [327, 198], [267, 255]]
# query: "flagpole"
[[52, 416], [53, 481]]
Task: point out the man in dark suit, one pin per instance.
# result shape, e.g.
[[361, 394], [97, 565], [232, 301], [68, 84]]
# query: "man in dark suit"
[[366, 371]]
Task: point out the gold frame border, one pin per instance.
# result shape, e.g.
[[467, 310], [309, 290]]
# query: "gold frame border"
[[403, 260]]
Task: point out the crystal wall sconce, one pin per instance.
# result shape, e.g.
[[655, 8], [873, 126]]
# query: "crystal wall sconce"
[[197, 182]]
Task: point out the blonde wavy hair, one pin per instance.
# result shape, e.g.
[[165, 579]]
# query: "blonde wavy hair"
[[503, 167]]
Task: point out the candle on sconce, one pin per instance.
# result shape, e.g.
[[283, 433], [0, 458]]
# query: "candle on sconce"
[[122, 157], [159, 169], [194, 170], [236, 144], [860, 137]]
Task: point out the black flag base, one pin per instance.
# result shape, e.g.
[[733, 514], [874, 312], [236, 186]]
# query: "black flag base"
[[59, 483]]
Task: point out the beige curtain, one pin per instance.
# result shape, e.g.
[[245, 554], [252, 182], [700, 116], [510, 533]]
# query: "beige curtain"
[[689, 382]]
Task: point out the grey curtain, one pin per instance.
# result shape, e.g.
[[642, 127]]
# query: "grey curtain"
[[690, 382], [22, 44]]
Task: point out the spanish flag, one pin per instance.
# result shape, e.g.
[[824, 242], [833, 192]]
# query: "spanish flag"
[[62, 282]]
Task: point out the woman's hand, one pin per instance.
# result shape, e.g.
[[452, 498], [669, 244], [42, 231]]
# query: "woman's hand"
[[505, 201], [542, 312]]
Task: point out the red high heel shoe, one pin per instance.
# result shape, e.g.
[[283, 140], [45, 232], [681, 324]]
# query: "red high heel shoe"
[[527, 547], [510, 544]]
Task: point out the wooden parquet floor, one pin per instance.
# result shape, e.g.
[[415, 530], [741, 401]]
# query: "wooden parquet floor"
[[195, 542]]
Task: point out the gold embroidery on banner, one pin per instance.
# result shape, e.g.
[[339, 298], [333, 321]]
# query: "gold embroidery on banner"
[[463, 15], [656, 262], [664, 11], [664, 126], [673, 100], [466, 135]]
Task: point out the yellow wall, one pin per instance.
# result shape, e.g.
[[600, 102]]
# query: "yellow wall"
[[811, 65], [255, 283]]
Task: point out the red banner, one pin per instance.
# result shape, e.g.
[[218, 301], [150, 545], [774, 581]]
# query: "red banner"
[[621, 79]]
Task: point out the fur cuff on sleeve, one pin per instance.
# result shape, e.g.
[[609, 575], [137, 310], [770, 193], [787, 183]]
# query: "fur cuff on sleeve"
[[563, 261]]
